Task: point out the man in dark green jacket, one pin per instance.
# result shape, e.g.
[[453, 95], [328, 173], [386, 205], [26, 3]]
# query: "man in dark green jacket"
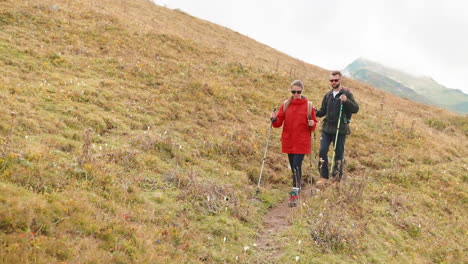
[[331, 109]]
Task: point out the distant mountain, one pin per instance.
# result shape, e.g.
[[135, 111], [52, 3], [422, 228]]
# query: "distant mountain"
[[421, 89], [389, 85]]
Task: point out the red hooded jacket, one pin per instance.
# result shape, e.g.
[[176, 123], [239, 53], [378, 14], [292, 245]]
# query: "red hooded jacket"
[[295, 138]]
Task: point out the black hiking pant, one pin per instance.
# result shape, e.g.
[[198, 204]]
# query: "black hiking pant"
[[325, 141], [295, 161]]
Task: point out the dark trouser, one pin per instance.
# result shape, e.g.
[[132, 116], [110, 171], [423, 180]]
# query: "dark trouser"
[[295, 161], [325, 141]]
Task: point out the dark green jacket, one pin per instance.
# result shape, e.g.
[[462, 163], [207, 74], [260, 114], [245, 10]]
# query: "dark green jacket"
[[331, 108]]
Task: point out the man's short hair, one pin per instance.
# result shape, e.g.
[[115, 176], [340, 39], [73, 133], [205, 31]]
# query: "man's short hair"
[[333, 73]]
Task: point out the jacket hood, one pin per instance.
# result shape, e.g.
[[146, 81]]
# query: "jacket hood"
[[299, 101]]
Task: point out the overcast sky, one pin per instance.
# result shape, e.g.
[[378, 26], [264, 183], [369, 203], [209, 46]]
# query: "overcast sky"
[[428, 37]]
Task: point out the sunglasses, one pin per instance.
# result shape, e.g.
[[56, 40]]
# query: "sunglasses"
[[334, 80], [296, 92]]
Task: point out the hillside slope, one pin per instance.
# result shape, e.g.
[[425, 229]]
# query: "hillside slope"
[[131, 133]]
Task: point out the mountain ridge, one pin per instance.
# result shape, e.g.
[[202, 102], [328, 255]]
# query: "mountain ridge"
[[433, 92]]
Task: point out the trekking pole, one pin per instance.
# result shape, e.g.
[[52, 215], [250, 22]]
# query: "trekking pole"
[[310, 158], [336, 137], [312, 147], [264, 157]]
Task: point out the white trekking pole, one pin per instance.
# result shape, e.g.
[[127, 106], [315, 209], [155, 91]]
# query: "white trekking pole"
[[264, 156], [336, 138]]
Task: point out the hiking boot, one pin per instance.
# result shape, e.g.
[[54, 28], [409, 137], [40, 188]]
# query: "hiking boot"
[[296, 190], [335, 179], [321, 181], [293, 196], [292, 199]]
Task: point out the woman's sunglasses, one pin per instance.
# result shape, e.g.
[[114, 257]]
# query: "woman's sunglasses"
[[296, 92]]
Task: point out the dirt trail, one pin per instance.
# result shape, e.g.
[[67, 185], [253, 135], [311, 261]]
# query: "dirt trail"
[[275, 222]]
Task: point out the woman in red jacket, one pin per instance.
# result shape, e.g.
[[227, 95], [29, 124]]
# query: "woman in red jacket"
[[297, 116]]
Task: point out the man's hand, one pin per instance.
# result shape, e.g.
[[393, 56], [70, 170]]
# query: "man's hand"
[[343, 98]]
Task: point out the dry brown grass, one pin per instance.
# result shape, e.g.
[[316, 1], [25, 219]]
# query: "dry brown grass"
[[336, 225], [178, 112]]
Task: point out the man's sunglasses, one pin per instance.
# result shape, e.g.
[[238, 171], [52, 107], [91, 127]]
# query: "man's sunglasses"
[[296, 92], [334, 80]]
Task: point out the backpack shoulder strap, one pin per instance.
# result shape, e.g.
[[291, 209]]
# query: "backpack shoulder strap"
[[309, 109], [346, 91], [285, 106]]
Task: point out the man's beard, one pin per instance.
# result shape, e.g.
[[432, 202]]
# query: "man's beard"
[[335, 86]]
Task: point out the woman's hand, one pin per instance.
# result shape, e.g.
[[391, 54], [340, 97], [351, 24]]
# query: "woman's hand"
[[311, 123], [273, 116]]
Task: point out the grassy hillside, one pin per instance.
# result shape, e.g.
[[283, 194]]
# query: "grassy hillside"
[[131, 133]]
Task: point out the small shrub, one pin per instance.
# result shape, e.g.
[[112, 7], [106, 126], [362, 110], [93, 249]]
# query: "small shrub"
[[56, 58], [6, 18], [437, 124], [237, 68]]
